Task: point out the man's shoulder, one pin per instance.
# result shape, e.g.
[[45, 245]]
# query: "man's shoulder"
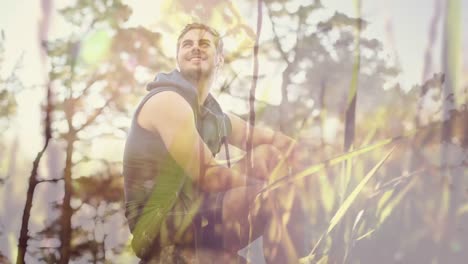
[[167, 99], [166, 106]]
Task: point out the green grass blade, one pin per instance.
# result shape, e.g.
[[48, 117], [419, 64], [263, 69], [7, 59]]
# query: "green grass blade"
[[386, 211], [462, 210], [452, 49], [365, 235], [350, 199], [350, 114], [319, 167]]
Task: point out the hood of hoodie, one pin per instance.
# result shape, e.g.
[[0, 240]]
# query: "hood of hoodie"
[[176, 80]]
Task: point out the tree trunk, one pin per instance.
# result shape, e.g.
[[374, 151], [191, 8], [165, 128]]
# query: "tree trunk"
[[24, 237], [67, 212]]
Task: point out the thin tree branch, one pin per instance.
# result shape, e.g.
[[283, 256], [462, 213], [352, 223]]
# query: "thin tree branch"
[[96, 113], [275, 36], [49, 180]]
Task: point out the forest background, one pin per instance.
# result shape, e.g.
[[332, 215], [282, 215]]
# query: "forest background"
[[377, 91]]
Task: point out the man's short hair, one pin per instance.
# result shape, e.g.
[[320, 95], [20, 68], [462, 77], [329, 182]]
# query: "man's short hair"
[[212, 31]]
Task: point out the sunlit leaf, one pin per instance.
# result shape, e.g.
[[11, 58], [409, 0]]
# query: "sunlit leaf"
[[453, 41], [383, 200], [307, 259], [327, 194], [311, 255], [462, 210], [393, 203], [350, 199], [358, 218], [370, 135], [350, 115], [12, 241], [187, 218], [318, 167], [365, 235], [323, 260]]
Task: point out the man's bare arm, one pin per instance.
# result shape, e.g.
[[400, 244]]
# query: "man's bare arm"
[[261, 135], [168, 114]]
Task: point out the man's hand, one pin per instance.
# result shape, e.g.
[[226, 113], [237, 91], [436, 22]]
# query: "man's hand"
[[296, 154], [265, 160], [269, 163]]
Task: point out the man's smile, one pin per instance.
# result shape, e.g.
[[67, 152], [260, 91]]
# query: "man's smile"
[[196, 60]]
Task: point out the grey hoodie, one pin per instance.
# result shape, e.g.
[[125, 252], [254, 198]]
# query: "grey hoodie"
[[154, 182]]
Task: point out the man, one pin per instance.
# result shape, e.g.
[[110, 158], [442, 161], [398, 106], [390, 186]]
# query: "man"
[[176, 192]]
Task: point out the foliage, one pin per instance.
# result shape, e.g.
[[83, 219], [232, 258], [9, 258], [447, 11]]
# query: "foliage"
[[97, 72], [399, 208], [9, 87]]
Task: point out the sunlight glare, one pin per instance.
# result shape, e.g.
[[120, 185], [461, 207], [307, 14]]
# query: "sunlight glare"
[[330, 129], [96, 47]]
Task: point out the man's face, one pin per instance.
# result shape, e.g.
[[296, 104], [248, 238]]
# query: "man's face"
[[197, 56]]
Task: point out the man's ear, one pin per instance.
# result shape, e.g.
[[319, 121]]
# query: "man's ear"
[[177, 64], [220, 61]]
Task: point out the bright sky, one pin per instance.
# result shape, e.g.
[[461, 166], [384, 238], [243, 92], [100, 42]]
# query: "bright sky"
[[19, 19], [409, 19]]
